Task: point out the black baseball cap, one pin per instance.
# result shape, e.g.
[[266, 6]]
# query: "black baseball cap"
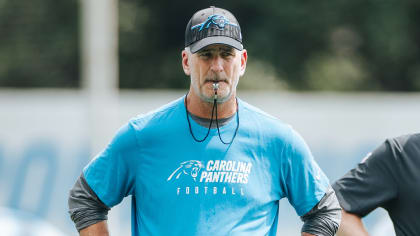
[[213, 26]]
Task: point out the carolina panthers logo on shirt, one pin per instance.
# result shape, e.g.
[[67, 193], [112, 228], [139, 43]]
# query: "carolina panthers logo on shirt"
[[215, 171], [191, 168], [219, 173]]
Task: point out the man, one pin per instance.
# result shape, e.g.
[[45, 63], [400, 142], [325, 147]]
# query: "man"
[[389, 178], [207, 163]]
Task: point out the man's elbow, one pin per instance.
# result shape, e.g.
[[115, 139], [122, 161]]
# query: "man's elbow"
[[351, 225], [98, 229]]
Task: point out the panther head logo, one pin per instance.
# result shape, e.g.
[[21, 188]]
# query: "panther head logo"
[[191, 168], [219, 21]]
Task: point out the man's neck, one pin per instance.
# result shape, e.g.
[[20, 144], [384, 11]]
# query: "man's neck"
[[203, 109]]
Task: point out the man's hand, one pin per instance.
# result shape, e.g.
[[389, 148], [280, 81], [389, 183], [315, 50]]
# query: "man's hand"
[[351, 225], [98, 229]]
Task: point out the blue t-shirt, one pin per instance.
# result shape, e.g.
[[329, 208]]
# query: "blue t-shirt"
[[183, 187]]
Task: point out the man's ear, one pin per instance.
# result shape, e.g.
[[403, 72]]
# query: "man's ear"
[[185, 62], [244, 59]]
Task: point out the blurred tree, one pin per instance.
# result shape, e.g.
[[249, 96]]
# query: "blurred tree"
[[378, 48], [298, 45], [39, 43]]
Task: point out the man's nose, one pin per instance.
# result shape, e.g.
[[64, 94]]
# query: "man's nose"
[[217, 64]]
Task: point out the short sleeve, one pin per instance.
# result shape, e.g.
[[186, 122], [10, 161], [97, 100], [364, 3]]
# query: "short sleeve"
[[305, 182], [111, 174], [371, 184]]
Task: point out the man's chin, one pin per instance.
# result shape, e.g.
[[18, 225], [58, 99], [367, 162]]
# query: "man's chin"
[[205, 98], [210, 99], [223, 99]]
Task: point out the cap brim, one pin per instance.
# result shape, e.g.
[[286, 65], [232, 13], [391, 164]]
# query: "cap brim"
[[195, 47]]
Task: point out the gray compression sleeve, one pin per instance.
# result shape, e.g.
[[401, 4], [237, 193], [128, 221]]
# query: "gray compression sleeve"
[[324, 219], [85, 207]]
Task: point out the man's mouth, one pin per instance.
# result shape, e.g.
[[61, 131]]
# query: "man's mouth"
[[215, 81]]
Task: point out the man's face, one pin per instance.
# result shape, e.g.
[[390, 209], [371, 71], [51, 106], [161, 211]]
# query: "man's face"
[[214, 64]]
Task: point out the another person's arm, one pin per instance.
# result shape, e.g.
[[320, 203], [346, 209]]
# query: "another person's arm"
[[370, 185]]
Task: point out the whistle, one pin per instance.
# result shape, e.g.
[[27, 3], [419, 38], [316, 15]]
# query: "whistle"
[[215, 88]]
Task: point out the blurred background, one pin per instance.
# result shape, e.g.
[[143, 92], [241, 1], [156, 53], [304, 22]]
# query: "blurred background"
[[345, 74]]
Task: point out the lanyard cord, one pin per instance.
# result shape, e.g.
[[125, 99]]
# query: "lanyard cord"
[[211, 122], [237, 124], [189, 123]]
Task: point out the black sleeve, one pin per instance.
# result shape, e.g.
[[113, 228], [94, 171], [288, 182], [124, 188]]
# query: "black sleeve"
[[324, 219], [371, 184], [85, 207]]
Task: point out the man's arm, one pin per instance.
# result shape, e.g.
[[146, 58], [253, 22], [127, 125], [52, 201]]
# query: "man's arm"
[[104, 182], [98, 229], [307, 189], [306, 234], [324, 218], [351, 225], [86, 209]]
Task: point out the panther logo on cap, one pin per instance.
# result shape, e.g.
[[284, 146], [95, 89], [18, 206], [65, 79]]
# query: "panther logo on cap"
[[219, 21]]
